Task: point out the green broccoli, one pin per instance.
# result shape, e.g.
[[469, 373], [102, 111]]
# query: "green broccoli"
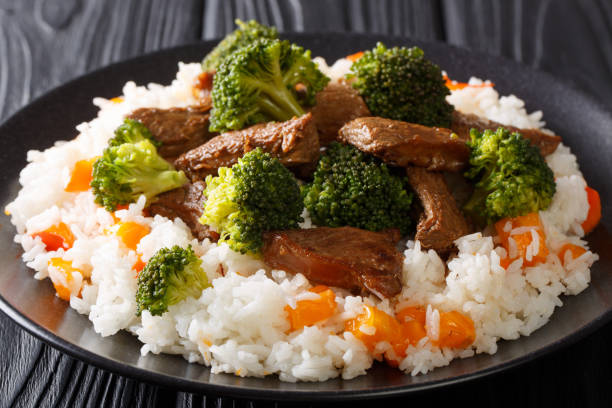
[[132, 131], [258, 83], [256, 194], [511, 176], [126, 171], [401, 84], [171, 275], [245, 34], [356, 189]]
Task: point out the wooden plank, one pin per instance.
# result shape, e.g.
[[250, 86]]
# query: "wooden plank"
[[548, 35]]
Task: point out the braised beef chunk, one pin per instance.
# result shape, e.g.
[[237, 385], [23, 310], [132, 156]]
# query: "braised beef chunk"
[[178, 129], [295, 142], [336, 105], [186, 203], [463, 122], [345, 257], [442, 221], [401, 144]]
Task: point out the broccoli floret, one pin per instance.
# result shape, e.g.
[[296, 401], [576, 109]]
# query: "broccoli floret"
[[256, 194], [132, 131], [258, 83], [126, 171], [400, 83], [511, 176], [171, 275], [245, 34], [356, 189]]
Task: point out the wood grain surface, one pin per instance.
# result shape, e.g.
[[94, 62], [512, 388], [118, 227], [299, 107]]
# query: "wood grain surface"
[[44, 43]]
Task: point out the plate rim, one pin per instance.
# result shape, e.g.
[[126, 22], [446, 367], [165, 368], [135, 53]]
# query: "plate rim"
[[185, 384]]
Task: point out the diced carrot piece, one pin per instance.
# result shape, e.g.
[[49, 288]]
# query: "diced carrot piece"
[[594, 214], [131, 233], [354, 57], [575, 250], [81, 176], [417, 313], [456, 330], [374, 326], [139, 265], [505, 262], [522, 240], [454, 85], [56, 237], [309, 312], [116, 99], [412, 332], [63, 279]]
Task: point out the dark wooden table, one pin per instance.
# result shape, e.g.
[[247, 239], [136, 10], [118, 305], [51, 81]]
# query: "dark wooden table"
[[44, 43]]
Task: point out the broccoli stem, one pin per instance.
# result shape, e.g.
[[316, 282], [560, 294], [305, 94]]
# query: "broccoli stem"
[[280, 103]]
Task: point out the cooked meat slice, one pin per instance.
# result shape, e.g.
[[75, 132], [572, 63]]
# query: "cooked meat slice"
[[401, 144], [463, 122], [178, 129], [336, 105], [186, 203], [441, 222], [295, 142], [345, 257]]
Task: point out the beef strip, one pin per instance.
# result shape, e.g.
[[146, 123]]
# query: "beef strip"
[[337, 104], [178, 129], [463, 122], [345, 257], [295, 142], [401, 143], [442, 221], [186, 203]]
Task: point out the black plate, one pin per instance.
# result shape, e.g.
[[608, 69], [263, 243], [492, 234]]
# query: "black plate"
[[584, 124]]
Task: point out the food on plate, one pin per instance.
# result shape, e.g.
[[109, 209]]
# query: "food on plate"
[[130, 167], [177, 129], [401, 143], [400, 83], [268, 214], [441, 223], [350, 188], [255, 195], [463, 122], [268, 80], [294, 142], [511, 176], [186, 203], [337, 104], [246, 33], [327, 256], [171, 275]]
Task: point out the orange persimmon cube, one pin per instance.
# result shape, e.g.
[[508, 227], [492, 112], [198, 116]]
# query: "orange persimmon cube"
[[456, 331], [81, 176], [131, 233], [310, 311], [56, 237]]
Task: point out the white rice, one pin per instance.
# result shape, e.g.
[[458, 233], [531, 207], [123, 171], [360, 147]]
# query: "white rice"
[[239, 324]]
